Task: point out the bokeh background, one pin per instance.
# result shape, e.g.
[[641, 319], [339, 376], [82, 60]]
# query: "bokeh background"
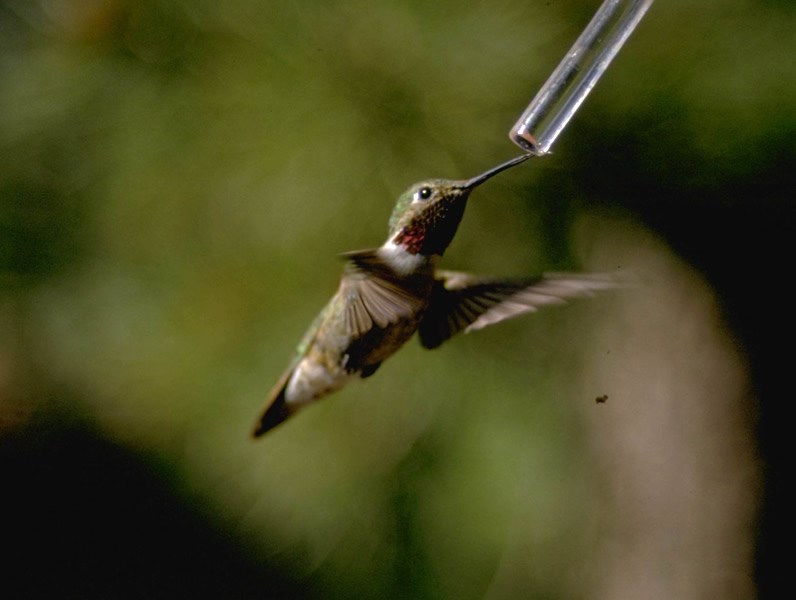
[[176, 180]]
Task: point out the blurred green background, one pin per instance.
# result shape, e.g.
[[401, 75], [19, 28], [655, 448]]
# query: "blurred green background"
[[177, 178]]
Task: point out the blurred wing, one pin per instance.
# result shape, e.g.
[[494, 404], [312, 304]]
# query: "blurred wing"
[[372, 296], [461, 301]]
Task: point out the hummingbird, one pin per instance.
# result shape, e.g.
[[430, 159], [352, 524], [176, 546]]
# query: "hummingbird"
[[387, 294]]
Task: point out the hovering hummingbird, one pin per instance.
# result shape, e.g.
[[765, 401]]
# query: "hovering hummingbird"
[[388, 293]]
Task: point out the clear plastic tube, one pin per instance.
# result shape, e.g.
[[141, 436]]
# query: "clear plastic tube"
[[576, 75]]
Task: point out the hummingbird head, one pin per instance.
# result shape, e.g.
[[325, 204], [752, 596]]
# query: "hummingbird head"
[[426, 216]]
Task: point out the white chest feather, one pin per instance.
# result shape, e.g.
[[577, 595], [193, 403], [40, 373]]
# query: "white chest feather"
[[402, 262]]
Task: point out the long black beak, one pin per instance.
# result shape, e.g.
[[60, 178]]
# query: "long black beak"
[[479, 179]]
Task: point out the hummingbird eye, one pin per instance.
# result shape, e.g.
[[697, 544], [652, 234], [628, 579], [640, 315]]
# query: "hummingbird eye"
[[424, 193]]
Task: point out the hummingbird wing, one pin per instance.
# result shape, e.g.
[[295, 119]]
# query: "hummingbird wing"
[[461, 301], [373, 296]]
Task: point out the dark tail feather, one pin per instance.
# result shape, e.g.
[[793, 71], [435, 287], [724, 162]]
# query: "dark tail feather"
[[277, 409]]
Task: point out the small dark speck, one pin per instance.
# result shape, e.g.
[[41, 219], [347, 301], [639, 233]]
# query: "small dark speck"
[[601, 399]]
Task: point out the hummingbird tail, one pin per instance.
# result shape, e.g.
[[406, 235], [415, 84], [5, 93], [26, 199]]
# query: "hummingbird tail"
[[276, 410]]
